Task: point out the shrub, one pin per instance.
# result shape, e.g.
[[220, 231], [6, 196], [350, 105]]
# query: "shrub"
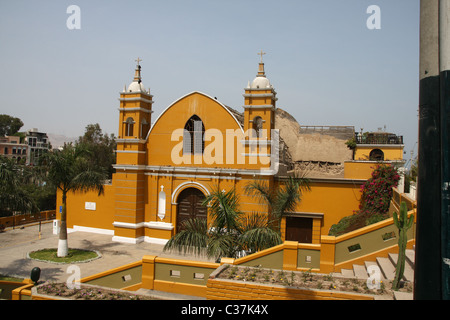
[[376, 195], [377, 191]]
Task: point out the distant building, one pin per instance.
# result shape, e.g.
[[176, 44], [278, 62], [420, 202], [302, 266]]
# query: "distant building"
[[38, 143], [11, 147]]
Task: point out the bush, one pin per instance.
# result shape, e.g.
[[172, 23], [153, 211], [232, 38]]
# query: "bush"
[[377, 191], [376, 195]]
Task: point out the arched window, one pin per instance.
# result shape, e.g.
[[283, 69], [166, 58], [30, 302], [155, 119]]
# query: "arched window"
[[257, 126], [129, 127], [376, 155], [144, 128], [193, 137]]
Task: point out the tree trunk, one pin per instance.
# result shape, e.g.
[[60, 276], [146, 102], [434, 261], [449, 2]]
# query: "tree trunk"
[[63, 247]]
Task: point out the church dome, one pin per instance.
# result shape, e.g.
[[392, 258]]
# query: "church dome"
[[136, 86], [260, 83]]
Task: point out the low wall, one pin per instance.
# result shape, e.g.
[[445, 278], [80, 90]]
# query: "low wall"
[[223, 289], [176, 276], [127, 277]]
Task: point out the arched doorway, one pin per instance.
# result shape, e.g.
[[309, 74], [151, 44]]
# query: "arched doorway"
[[190, 206], [376, 155]]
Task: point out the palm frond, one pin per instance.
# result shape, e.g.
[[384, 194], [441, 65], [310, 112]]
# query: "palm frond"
[[223, 209], [192, 239], [261, 191], [221, 245], [258, 233]]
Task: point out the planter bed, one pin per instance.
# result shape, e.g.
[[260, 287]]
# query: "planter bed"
[[304, 280], [60, 291]]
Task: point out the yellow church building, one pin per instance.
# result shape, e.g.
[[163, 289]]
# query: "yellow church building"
[[166, 165]]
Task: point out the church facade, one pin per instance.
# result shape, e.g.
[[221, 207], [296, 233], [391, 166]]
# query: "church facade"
[[197, 144]]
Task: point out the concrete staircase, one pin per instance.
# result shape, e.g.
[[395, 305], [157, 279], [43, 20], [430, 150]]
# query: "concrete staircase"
[[387, 268]]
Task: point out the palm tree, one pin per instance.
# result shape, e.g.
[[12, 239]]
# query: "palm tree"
[[282, 200], [69, 170], [230, 231], [13, 198]]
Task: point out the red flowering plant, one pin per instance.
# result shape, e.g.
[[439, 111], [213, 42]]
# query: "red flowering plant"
[[375, 201], [377, 191]]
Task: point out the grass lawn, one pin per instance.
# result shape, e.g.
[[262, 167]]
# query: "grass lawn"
[[75, 255]]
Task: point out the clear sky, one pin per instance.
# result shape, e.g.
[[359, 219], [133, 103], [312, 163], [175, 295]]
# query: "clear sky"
[[326, 65]]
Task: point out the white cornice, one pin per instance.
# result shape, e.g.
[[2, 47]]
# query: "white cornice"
[[140, 141], [151, 225], [131, 151], [262, 106], [380, 146], [135, 109]]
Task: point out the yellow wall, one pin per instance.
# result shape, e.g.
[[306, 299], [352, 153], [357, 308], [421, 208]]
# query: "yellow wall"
[[359, 169], [162, 150], [102, 217], [335, 200], [391, 152]]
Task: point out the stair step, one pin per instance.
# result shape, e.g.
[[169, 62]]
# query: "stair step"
[[373, 263], [387, 268], [347, 273], [410, 257], [360, 271], [337, 275], [403, 295], [408, 274]]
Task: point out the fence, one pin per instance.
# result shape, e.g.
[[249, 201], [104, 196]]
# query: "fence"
[[17, 220]]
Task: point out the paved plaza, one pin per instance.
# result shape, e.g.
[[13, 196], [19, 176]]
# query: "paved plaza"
[[16, 244]]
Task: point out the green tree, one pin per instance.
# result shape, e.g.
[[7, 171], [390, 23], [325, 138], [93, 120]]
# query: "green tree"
[[71, 170], [9, 125], [101, 147], [13, 196], [281, 200], [229, 232]]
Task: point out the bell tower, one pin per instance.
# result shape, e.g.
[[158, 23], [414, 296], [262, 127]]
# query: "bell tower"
[[129, 179], [134, 121], [259, 114]]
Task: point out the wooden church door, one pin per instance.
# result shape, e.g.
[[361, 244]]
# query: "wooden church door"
[[190, 206], [299, 229]]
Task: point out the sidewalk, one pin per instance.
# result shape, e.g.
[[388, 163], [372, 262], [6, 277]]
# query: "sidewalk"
[[16, 244]]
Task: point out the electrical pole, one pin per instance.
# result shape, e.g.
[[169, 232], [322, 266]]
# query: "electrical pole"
[[444, 67], [427, 273]]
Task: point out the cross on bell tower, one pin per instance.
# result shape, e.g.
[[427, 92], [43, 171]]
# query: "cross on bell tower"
[[261, 54], [261, 72]]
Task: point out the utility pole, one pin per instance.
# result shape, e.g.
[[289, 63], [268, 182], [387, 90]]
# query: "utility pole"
[[427, 273], [444, 66], [432, 274]]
